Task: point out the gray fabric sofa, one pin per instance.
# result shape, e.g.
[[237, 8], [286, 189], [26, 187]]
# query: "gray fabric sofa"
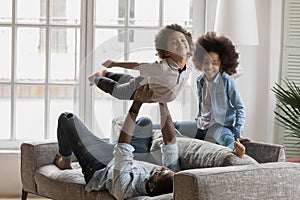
[[209, 172]]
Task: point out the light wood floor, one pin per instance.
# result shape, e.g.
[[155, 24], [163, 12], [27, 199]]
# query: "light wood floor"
[[30, 197], [18, 198]]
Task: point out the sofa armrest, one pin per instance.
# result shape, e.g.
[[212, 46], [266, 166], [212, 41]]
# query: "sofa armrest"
[[33, 156], [277, 180], [265, 152]]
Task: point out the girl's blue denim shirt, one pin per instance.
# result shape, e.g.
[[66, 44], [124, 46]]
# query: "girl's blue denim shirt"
[[227, 106]]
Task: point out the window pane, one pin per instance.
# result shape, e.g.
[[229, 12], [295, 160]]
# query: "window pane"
[[109, 12], [31, 11], [179, 12], [176, 108], [146, 13], [64, 45], [5, 114], [61, 100], [142, 50], [65, 11], [30, 112], [109, 44], [105, 109], [143, 55], [30, 54], [5, 11], [5, 52], [151, 110]]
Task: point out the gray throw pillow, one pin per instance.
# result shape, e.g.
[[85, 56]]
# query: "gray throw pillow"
[[194, 153]]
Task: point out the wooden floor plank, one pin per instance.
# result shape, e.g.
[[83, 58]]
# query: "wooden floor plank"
[[30, 197]]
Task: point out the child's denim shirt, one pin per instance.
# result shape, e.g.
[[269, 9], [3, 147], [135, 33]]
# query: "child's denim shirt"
[[227, 106]]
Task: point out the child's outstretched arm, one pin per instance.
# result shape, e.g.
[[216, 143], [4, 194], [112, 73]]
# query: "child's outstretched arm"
[[125, 65]]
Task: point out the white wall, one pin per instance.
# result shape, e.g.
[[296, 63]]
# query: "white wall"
[[10, 179], [261, 67]]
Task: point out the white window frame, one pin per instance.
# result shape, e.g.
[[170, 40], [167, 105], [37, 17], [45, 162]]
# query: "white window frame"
[[13, 142], [86, 95]]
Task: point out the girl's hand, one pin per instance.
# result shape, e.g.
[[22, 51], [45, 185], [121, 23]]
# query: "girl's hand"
[[108, 64]]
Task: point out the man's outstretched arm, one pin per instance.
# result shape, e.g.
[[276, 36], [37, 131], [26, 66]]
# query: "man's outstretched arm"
[[170, 152], [123, 152], [129, 123], [142, 95], [168, 129]]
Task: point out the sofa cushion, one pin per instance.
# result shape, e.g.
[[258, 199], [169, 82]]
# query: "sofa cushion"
[[65, 184], [168, 196], [69, 175], [196, 153]]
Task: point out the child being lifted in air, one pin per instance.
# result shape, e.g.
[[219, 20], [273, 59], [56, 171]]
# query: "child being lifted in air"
[[174, 46]]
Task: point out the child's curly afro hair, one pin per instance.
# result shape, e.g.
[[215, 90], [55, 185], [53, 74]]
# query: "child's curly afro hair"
[[162, 38], [220, 45]]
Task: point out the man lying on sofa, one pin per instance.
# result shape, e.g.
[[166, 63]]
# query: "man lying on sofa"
[[111, 167]]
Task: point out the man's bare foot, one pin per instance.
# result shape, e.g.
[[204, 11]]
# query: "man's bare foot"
[[239, 149], [62, 162], [93, 77]]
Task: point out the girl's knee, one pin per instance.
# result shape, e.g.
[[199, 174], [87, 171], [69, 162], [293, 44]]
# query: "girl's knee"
[[144, 121], [226, 140]]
